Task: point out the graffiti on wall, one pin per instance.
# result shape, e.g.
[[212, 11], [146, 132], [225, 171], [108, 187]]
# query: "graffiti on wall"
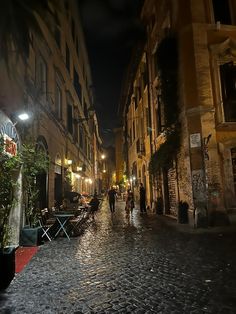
[[198, 183]]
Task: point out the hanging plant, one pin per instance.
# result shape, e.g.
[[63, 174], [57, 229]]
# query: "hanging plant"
[[35, 162], [166, 153], [8, 184]]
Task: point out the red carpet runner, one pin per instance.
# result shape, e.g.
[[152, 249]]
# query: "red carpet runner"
[[23, 256]]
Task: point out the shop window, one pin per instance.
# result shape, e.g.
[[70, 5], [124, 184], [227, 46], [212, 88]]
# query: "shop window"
[[228, 90]]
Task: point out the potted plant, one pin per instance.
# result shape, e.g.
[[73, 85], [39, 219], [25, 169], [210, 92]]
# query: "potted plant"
[[35, 161], [8, 183]]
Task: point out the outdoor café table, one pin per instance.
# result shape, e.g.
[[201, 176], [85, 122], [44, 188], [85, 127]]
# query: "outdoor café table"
[[62, 219]]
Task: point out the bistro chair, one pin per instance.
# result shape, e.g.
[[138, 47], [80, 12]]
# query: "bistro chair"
[[77, 222], [45, 224]]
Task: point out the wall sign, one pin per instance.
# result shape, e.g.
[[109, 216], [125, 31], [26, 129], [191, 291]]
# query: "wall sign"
[[9, 134], [195, 140]]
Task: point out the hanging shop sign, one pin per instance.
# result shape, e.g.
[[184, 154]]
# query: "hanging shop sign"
[[9, 134]]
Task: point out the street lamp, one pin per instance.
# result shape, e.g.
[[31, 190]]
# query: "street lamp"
[[23, 116]]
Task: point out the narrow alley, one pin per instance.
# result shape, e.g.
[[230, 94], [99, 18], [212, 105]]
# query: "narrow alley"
[[128, 264]]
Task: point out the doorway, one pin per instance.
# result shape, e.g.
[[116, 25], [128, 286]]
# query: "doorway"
[[58, 189]]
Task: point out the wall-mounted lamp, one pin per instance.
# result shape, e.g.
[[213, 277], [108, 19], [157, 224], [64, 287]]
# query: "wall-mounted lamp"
[[103, 156], [104, 171], [68, 162], [79, 168], [22, 116]]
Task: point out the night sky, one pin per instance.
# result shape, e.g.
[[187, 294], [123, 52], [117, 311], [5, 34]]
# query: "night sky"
[[111, 29]]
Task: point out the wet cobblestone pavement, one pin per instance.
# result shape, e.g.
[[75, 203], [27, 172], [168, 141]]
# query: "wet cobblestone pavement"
[[123, 264]]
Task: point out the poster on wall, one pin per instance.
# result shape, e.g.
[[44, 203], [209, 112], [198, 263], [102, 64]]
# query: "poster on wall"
[[195, 140]]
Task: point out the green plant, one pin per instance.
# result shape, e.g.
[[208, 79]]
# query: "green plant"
[[8, 184], [167, 62], [166, 153], [35, 161]]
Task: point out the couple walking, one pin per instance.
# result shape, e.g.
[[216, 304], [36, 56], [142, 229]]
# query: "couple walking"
[[142, 198], [129, 200]]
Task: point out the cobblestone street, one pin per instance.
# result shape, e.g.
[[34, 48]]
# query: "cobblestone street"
[[128, 264]]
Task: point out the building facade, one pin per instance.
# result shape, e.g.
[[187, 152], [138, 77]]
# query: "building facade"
[[190, 56], [54, 85]]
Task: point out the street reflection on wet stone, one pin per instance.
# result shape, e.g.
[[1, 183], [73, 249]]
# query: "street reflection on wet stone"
[[128, 264]]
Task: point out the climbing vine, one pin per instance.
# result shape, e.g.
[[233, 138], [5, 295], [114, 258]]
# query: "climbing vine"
[[167, 63]]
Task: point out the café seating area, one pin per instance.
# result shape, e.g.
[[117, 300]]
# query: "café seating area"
[[68, 220]]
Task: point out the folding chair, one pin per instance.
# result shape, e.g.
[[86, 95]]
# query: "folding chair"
[[45, 225], [77, 222]]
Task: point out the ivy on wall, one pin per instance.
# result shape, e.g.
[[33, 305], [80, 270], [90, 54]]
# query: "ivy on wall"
[[167, 63]]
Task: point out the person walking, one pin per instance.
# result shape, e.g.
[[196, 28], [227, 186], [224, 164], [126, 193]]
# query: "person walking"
[[112, 199], [129, 202], [142, 197]]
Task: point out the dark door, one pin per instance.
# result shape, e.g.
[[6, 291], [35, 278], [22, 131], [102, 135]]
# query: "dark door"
[[42, 188], [58, 189]]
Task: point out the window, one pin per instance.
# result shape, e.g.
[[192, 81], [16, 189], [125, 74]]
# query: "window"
[[85, 111], [159, 114], [58, 101], [81, 136], [67, 58], [76, 130], [77, 85], [70, 119], [77, 46], [42, 75], [228, 90], [138, 94], [222, 11], [66, 3], [86, 146], [233, 157], [134, 135], [145, 76], [57, 35], [73, 29]]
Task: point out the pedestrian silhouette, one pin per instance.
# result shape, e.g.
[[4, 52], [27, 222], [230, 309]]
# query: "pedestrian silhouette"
[[142, 198], [112, 199]]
